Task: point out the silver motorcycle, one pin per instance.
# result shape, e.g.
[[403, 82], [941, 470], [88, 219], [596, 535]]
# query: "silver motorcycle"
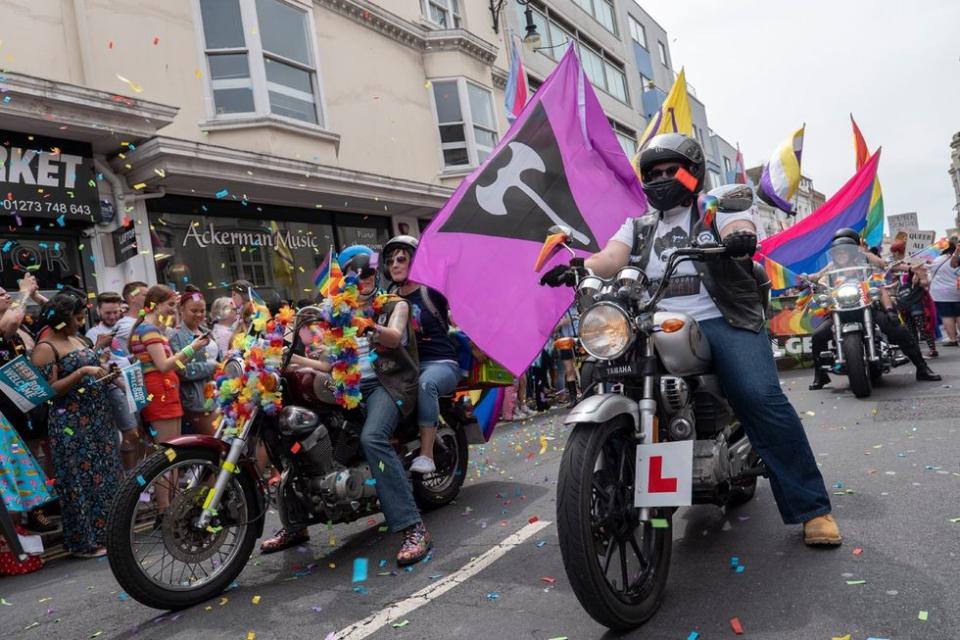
[[657, 434]]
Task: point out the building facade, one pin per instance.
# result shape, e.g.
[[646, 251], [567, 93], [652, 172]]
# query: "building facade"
[[771, 219], [954, 172], [202, 141]]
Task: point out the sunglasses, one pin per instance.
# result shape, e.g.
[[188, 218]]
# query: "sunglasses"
[[398, 259], [666, 172]]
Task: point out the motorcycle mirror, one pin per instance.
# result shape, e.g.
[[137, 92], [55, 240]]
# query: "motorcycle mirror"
[[733, 197], [558, 238]]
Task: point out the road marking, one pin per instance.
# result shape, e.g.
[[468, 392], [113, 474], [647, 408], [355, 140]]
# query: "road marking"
[[371, 624]]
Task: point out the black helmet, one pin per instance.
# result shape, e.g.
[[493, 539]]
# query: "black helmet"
[[668, 192], [846, 232], [402, 243], [844, 240]]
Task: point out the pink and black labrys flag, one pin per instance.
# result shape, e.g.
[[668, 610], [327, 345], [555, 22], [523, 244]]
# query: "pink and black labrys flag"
[[560, 163]]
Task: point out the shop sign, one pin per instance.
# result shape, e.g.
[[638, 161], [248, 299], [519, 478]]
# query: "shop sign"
[[209, 235], [124, 243], [47, 178]]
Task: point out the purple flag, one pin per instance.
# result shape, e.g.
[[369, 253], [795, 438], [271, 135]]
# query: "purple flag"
[[558, 164]]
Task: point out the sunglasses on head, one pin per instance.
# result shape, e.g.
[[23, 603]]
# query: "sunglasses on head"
[[666, 172]]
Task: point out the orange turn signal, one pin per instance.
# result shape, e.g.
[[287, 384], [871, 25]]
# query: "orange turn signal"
[[671, 326]]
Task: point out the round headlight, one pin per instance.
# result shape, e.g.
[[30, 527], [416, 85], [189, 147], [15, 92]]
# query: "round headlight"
[[233, 368], [605, 331], [848, 295]]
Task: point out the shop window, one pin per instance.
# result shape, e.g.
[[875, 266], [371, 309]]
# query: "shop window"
[[443, 13], [260, 59], [465, 117], [53, 260]]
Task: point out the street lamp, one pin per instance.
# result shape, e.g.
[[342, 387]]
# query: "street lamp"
[[532, 38]]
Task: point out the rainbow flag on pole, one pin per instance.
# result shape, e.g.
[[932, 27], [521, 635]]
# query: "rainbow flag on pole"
[[780, 277], [802, 248], [781, 176], [873, 232], [328, 270]]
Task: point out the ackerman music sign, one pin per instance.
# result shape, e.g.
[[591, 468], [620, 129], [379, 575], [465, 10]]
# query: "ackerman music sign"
[[44, 177]]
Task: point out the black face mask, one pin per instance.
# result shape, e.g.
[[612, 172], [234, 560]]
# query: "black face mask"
[[667, 193]]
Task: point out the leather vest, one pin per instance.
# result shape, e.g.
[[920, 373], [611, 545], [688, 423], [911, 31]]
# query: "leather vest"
[[738, 286], [398, 370]]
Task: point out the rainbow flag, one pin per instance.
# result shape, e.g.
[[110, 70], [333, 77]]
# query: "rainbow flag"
[[487, 406], [780, 277], [802, 247], [322, 276], [781, 176], [873, 232], [930, 253]]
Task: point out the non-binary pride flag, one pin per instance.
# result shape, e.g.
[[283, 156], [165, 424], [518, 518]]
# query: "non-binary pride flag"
[[515, 95], [560, 163], [802, 248], [873, 232], [781, 176], [674, 115]]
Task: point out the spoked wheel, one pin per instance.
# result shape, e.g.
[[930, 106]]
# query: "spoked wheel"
[[451, 452], [617, 565], [157, 552]]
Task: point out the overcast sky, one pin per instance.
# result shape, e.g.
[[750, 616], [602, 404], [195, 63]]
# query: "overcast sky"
[[764, 68]]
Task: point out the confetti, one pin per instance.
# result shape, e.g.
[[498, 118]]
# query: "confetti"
[[171, 454], [493, 595], [251, 635], [140, 480], [255, 600], [136, 88], [359, 570], [736, 626], [856, 582], [400, 625], [922, 616], [659, 523], [693, 635]]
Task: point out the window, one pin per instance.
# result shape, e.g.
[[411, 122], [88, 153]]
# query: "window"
[[637, 32], [465, 116], [626, 137], [646, 84], [260, 59], [727, 165], [444, 13], [663, 54], [715, 180], [602, 12]]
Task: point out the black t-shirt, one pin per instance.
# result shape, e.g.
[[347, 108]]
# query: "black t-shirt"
[[433, 343]]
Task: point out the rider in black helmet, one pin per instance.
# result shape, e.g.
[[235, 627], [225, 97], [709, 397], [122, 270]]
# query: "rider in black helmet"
[[727, 300], [888, 320]]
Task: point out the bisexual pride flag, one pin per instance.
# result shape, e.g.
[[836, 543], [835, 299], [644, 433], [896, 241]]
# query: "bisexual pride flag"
[[560, 163]]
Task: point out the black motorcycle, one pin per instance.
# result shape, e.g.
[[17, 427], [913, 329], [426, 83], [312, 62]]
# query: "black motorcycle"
[[193, 550]]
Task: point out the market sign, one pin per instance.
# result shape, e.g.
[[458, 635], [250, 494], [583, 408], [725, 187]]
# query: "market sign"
[[43, 177]]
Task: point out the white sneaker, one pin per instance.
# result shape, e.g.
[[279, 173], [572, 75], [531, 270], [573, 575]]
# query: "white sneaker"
[[423, 464]]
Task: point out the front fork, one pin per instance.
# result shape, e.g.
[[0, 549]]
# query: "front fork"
[[838, 337], [868, 329], [227, 468], [648, 413]]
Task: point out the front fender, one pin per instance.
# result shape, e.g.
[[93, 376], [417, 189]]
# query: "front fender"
[[247, 466], [603, 408]]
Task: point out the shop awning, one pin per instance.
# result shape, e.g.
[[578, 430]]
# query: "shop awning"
[[204, 170], [62, 110]]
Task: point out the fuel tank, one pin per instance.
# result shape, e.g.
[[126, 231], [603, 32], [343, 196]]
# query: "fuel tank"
[[684, 351]]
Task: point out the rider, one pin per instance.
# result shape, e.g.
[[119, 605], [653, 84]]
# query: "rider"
[[388, 384], [888, 320], [728, 300], [439, 370]]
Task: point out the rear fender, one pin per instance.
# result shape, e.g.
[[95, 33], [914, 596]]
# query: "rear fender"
[[603, 408], [247, 466]]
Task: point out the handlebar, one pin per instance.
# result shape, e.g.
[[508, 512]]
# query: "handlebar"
[[677, 257]]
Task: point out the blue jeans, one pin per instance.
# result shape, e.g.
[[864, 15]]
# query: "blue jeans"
[[393, 488], [744, 364], [436, 379]]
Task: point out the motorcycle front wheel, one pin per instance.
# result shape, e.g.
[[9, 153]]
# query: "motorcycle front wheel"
[[855, 357], [156, 553], [616, 564]]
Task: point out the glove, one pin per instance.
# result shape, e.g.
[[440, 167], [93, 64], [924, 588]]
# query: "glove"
[[563, 275], [741, 243]]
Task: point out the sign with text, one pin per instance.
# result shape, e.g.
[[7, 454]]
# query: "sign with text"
[[134, 387], [23, 384], [124, 243], [919, 240], [902, 222], [47, 178], [664, 474]]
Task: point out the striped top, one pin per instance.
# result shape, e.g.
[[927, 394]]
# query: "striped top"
[[145, 335]]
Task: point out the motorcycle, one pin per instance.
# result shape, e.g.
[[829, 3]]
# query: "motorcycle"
[[858, 347], [655, 399], [194, 549]]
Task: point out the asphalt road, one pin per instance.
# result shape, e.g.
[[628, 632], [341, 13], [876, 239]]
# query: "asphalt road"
[[892, 458]]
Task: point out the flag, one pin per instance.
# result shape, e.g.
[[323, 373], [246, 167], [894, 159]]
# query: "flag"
[[560, 162], [321, 277], [781, 176], [802, 247], [873, 232], [487, 406], [740, 175], [674, 115], [780, 277], [929, 254], [515, 95], [282, 256]]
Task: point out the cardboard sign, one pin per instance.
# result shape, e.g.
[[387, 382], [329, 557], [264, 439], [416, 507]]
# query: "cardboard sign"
[[23, 384], [135, 389], [902, 222], [919, 240], [664, 474]]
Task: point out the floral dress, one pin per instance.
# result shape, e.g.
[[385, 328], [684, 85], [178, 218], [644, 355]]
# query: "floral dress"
[[83, 440]]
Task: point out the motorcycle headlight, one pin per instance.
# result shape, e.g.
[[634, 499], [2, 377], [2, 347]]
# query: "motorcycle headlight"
[[848, 295], [295, 418], [233, 368], [605, 331]]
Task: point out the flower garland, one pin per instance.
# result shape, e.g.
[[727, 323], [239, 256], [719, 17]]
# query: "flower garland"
[[258, 386], [342, 319]]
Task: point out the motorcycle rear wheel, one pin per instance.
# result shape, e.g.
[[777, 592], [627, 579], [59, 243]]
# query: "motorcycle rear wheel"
[[598, 525], [172, 533], [438, 489]]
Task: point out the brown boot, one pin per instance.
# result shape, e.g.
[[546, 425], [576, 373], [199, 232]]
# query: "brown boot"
[[822, 530]]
